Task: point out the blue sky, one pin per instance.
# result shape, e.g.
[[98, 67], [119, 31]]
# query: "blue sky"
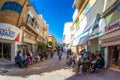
[[56, 13]]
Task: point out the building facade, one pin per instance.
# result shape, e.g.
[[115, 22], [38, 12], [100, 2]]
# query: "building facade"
[[67, 36], [10, 33], [83, 22], [20, 28], [52, 39], [111, 38], [97, 27]]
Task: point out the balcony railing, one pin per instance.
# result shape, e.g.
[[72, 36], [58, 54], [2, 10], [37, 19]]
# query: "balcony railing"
[[31, 28], [34, 30]]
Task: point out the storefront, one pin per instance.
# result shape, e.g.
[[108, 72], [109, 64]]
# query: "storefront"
[[111, 38], [10, 40], [94, 43], [29, 39], [76, 46], [110, 41]]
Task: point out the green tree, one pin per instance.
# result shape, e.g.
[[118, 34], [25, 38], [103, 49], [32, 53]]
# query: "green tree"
[[50, 44], [57, 47], [42, 46]]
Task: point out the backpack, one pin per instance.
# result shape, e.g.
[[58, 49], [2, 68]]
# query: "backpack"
[[85, 55]]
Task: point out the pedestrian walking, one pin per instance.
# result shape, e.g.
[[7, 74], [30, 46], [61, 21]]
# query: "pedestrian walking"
[[69, 53], [51, 53], [59, 54]]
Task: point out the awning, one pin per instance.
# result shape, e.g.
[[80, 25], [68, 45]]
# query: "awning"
[[83, 37], [110, 39], [83, 40], [75, 42], [113, 43], [88, 27]]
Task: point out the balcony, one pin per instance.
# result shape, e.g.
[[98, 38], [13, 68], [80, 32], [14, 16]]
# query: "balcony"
[[31, 28], [80, 5], [40, 38]]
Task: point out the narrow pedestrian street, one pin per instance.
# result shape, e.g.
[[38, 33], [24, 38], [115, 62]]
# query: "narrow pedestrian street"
[[53, 69], [59, 39]]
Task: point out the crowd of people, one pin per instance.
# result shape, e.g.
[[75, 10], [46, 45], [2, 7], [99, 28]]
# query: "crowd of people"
[[85, 60], [79, 61], [24, 59]]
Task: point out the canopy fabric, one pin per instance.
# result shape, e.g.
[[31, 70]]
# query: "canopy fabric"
[[83, 40], [88, 27], [75, 42]]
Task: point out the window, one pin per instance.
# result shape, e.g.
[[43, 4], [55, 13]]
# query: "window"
[[33, 19], [87, 8], [13, 6], [37, 26], [77, 22], [114, 15], [18, 8], [28, 19]]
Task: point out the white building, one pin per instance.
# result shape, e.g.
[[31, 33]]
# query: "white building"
[[67, 35], [10, 39], [96, 19]]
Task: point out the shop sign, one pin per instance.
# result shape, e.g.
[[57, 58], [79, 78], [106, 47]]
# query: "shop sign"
[[112, 27], [10, 32], [7, 33], [95, 32], [96, 29]]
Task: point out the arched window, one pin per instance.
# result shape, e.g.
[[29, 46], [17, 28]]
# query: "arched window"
[[13, 6]]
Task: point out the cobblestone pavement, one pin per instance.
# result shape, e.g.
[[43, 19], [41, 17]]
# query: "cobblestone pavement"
[[52, 69]]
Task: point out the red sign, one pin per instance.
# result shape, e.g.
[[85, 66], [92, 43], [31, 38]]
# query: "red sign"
[[112, 27]]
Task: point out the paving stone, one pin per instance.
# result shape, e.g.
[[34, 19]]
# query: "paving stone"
[[53, 69]]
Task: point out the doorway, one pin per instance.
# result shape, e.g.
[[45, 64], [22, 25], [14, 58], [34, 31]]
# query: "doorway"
[[5, 51], [112, 63]]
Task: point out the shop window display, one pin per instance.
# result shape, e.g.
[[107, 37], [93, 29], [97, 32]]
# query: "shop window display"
[[102, 49], [0, 51], [115, 57], [118, 62], [5, 51]]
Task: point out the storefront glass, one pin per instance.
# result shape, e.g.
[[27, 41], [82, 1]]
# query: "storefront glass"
[[102, 50], [5, 51], [1, 51], [115, 56], [94, 45], [113, 16]]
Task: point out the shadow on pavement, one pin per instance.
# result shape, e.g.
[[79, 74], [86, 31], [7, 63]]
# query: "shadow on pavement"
[[107, 75], [36, 69]]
